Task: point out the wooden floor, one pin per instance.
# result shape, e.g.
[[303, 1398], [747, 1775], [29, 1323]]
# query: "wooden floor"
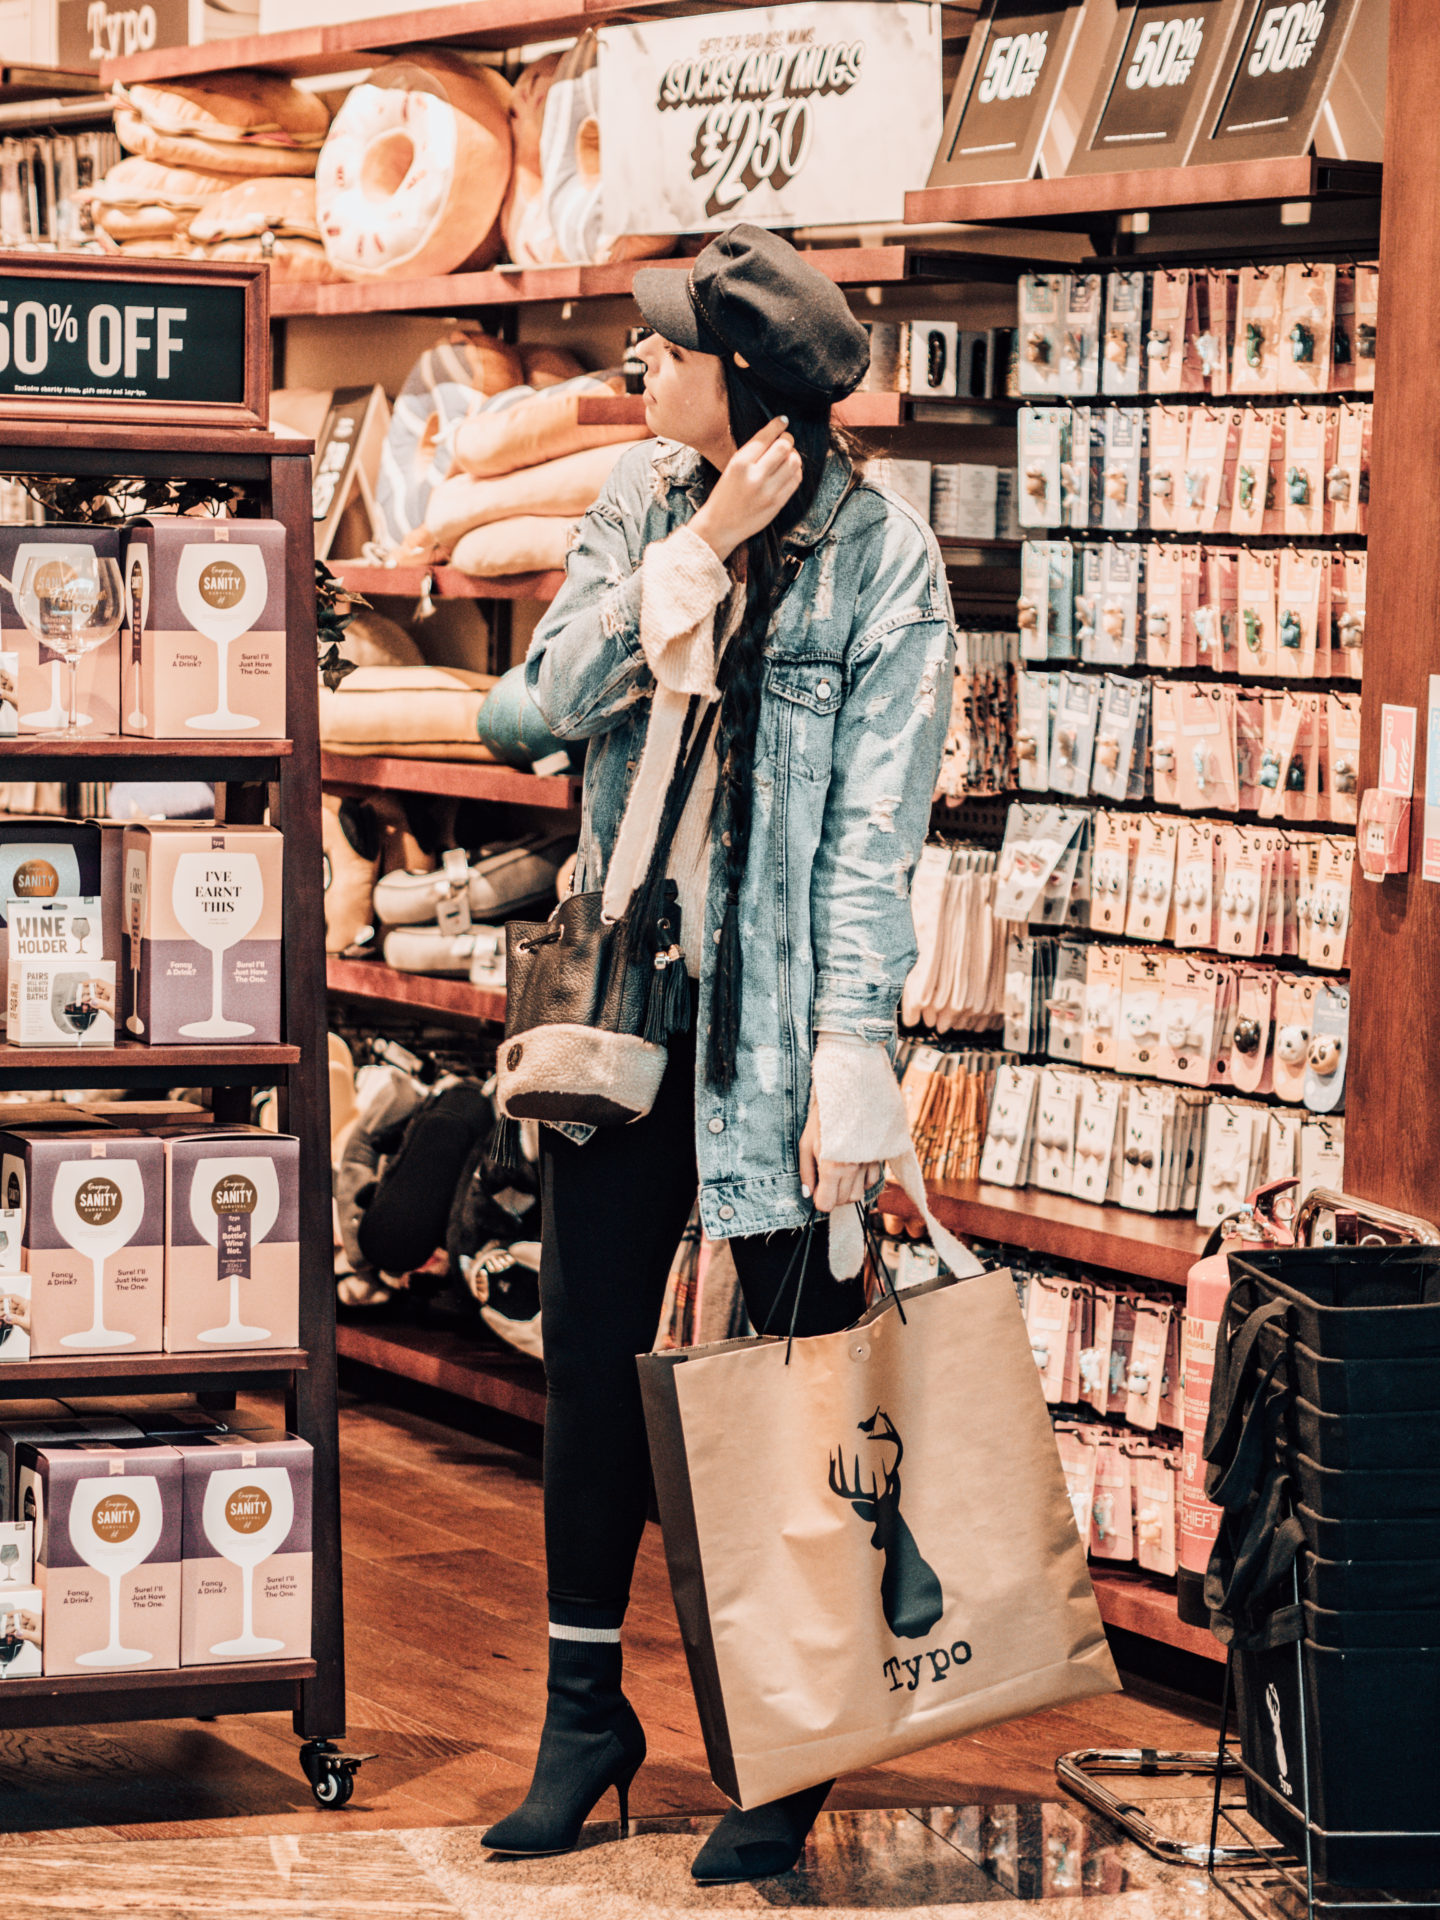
[[446, 1646]]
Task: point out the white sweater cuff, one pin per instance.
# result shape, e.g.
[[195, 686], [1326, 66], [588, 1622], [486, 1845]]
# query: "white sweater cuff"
[[682, 583]]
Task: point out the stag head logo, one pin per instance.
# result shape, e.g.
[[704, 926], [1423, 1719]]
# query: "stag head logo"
[[910, 1594]]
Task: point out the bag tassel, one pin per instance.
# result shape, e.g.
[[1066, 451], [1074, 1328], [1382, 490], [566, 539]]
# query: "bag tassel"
[[505, 1152], [667, 1009]]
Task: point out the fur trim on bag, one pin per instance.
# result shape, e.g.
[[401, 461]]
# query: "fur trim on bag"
[[584, 1075]]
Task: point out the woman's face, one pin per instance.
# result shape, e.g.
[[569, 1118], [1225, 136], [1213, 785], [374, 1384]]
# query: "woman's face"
[[685, 398]]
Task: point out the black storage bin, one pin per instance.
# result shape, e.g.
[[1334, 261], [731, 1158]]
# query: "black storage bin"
[[1351, 1303], [1350, 1493], [1372, 1585], [1407, 1441], [1377, 1765], [1331, 1537], [1373, 1627], [1366, 1386]]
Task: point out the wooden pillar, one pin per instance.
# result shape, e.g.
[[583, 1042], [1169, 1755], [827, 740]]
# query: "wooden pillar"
[[1392, 1132]]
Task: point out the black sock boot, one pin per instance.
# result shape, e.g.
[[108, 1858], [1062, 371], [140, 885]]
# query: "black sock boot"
[[765, 1841], [592, 1741]]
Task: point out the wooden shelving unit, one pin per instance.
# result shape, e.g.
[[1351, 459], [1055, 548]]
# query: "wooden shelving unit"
[[280, 778], [448, 583], [495, 1377], [462, 779], [418, 992], [1138, 1605]]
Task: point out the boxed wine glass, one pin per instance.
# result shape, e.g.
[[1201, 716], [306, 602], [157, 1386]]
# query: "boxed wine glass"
[[60, 991], [204, 644], [22, 1630], [52, 1421], [204, 932], [55, 860], [247, 1549], [94, 1236], [108, 1529], [232, 1239], [38, 568]]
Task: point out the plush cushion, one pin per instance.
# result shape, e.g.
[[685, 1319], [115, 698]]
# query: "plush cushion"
[[213, 156], [163, 246], [141, 223], [415, 169], [371, 640], [254, 107], [380, 704], [549, 366], [349, 878], [524, 220], [570, 167], [530, 544], [250, 207], [134, 182], [288, 258], [447, 383], [544, 427], [561, 489]]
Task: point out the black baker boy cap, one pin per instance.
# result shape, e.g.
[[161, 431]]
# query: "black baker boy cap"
[[752, 299]]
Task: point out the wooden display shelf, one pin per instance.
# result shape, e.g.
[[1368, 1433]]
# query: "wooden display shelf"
[[1132, 1601], [143, 1693], [861, 410], [23, 82], [464, 779], [420, 992], [150, 1373], [130, 1063], [1080, 198], [498, 25], [447, 583], [495, 1377], [1148, 1246], [108, 757]]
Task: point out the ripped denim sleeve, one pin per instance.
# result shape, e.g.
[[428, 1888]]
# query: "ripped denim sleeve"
[[888, 740], [585, 669]]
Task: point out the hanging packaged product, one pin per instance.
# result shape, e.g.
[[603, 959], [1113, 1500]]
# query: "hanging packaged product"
[[1042, 450], [204, 629], [59, 587], [1309, 455], [1367, 305], [1307, 321], [1170, 364], [1169, 437], [1122, 354], [107, 1553], [1255, 362], [232, 1250], [1080, 344], [1121, 479], [94, 1236], [60, 991], [1347, 479], [247, 1535], [209, 961], [1215, 320], [1042, 326]]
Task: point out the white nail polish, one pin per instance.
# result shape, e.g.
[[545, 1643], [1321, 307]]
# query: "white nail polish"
[[804, 1191]]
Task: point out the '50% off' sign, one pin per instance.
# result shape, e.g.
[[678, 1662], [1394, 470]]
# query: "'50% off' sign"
[[88, 339]]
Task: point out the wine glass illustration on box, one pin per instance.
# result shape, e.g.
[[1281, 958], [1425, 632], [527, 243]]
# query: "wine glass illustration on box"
[[222, 592], [98, 1206], [137, 875], [9, 1560], [115, 1526], [218, 898], [248, 1512], [70, 598], [224, 1194], [72, 1005]]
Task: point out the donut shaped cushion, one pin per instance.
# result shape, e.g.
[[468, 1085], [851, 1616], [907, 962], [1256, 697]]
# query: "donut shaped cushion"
[[524, 221], [570, 167], [414, 172], [441, 390], [544, 426], [249, 208], [531, 543], [560, 489]]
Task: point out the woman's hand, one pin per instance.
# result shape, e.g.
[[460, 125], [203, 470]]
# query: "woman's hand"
[[834, 1183], [755, 485]]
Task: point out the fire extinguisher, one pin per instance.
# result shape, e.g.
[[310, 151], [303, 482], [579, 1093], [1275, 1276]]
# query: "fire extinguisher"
[[1257, 1224]]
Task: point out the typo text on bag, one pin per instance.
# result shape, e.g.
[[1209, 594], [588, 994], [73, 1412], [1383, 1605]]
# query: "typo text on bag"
[[871, 1548]]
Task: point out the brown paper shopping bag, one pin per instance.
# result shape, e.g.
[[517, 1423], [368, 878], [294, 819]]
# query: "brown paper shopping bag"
[[871, 1548]]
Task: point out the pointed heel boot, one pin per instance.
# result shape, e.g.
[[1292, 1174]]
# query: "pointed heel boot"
[[592, 1741], [764, 1841]]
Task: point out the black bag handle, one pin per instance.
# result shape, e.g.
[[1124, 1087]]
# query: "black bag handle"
[[1231, 1482], [1235, 1364]]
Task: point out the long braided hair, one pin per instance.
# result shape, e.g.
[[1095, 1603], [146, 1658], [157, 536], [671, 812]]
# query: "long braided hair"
[[751, 405]]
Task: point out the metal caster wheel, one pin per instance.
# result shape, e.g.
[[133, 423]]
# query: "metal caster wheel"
[[331, 1773]]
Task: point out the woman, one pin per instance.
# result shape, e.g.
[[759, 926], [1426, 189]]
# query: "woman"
[[739, 549]]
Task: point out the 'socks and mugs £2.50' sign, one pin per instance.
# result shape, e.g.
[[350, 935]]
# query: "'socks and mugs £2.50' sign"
[[762, 116], [90, 337]]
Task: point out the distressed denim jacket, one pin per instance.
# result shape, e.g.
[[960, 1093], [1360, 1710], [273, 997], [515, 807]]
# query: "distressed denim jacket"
[[853, 715]]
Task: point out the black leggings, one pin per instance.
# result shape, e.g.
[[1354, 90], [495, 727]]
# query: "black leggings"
[[614, 1212]]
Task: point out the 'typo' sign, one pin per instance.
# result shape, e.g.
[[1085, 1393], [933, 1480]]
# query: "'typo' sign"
[[763, 115]]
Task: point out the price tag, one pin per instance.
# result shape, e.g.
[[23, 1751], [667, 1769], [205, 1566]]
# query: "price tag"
[[96, 339], [1161, 65], [1279, 65], [1006, 93]]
